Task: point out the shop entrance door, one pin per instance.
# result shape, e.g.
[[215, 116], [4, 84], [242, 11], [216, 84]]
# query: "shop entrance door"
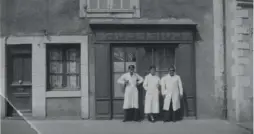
[[142, 56]]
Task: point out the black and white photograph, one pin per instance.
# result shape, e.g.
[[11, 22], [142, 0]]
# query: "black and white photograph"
[[126, 67]]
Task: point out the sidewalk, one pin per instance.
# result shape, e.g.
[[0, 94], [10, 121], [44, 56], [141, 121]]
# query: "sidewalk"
[[118, 127]]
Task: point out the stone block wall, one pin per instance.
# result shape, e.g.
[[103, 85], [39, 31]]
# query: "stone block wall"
[[242, 65]]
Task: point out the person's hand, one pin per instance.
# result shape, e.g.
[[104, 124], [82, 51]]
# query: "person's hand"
[[163, 96], [126, 82]]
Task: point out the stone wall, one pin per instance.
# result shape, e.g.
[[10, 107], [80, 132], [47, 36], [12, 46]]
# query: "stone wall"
[[240, 41]]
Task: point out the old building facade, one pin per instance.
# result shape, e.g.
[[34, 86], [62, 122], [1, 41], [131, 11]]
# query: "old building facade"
[[62, 58]]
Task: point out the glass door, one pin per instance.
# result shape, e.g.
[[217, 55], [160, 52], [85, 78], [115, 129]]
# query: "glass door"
[[142, 57], [122, 57], [161, 57]]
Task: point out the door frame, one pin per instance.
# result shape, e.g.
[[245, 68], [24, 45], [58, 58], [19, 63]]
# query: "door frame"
[[132, 45], [9, 76]]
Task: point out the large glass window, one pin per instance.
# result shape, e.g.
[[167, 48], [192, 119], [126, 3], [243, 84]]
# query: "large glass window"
[[122, 58], [63, 66]]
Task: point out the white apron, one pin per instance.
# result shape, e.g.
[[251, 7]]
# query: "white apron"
[[131, 91], [172, 89], [151, 84]]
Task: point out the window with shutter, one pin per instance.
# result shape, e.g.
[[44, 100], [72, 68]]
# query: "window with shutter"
[[110, 8]]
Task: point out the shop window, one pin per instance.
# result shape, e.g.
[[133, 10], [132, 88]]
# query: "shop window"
[[63, 66], [110, 8]]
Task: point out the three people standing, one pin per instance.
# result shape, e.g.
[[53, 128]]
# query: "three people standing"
[[170, 87]]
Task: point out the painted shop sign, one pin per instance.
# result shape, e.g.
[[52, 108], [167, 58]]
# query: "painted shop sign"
[[144, 36]]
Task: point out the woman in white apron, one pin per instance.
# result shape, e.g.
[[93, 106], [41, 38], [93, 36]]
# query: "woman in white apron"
[[172, 90], [130, 81], [151, 85]]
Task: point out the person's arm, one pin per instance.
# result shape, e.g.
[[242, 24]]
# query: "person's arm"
[[163, 87], [121, 80], [145, 84], [180, 86], [140, 79]]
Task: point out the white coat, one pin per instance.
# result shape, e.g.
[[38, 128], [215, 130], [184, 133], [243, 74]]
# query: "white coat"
[[151, 85], [172, 88], [131, 91]]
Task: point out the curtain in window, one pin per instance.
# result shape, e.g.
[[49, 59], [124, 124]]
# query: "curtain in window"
[[73, 68], [56, 68]]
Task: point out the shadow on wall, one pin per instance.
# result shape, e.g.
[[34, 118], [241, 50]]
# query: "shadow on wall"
[[17, 126]]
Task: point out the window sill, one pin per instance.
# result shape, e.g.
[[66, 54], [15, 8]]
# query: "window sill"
[[61, 94], [110, 14], [110, 11]]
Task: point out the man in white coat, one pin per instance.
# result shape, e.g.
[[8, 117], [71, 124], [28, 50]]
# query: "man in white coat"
[[151, 85], [130, 81], [172, 90]]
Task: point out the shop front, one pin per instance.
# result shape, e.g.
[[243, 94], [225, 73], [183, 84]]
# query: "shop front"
[[113, 47]]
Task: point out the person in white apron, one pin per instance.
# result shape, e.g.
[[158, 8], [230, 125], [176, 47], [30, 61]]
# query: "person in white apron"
[[151, 85], [130, 81], [172, 90]]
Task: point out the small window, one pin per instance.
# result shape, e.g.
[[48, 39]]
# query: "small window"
[[110, 8], [63, 63]]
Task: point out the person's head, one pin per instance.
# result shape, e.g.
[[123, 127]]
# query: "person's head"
[[172, 70], [131, 68], [152, 69]]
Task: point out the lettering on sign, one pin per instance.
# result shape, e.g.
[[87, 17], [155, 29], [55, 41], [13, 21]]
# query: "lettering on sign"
[[144, 36]]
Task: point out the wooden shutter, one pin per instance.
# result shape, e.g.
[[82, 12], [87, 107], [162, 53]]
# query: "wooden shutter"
[[184, 68], [102, 81]]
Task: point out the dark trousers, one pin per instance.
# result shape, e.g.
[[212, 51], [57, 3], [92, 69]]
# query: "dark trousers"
[[131, 114], [172, 115]]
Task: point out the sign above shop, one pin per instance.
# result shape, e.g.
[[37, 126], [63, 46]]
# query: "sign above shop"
[[144, 36]]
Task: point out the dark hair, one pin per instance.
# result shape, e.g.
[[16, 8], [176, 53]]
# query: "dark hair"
[[131, 66], [152, 67], [172, 67]]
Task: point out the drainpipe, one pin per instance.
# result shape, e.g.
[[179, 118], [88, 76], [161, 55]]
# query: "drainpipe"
[[225, 88]]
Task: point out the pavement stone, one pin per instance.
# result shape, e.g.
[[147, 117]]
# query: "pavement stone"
[[118, 127]]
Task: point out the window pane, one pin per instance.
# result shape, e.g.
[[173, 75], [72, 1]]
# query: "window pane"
[[72, 54], [118, 89], [93, 4], [126, 4], [72, 67], [72, 81], [56, 81], [103, 4], [55, 54], [164, 57], [118, 55], [131, 54], [116, 4], [56, 67], [118, 66]]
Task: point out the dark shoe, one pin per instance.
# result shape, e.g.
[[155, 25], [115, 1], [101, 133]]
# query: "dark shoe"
[[166, 121]]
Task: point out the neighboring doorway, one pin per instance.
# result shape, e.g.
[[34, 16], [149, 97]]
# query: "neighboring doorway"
[[19, 79]]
